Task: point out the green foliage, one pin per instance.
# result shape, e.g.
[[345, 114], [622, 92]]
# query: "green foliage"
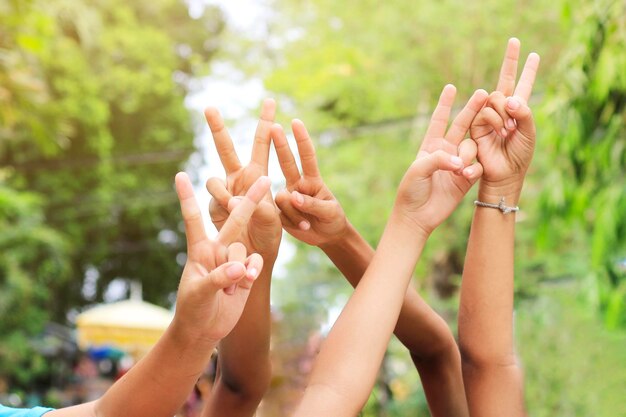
[[364, 76], [93, 128], [34, 262], [358, 62], [585, 125], [572, 366]]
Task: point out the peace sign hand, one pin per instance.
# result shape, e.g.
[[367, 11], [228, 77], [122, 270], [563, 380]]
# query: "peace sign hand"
[[443, 171], [218, 274], [504, 130], [263, 232], [309, 210]]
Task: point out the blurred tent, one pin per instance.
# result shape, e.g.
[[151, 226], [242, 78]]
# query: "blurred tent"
[[131, 325]]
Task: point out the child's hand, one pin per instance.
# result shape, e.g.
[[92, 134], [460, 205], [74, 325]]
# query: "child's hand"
[[264, 230], [443, 171], [218, 273], [309, 211], [504, 129]]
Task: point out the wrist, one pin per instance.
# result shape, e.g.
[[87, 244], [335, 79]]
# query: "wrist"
[[408, 228], [494, 192], [188, 334], [341, 240]]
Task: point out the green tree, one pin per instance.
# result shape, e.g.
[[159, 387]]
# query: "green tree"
[[34, 263], [93, 117], [93, 128], [585, 122]]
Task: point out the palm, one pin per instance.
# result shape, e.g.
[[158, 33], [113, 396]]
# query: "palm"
[[434, 198], [429, 197], [219, 311], [327, 220], [263, 232], [203, 302]]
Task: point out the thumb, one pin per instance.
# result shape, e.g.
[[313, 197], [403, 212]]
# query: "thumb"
[[322, 209], [517, 108], [225, 276], [425, 166]]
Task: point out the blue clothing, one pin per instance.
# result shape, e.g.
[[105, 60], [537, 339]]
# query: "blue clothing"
[[23, 412]]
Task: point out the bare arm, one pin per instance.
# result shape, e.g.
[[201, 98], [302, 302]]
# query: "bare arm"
[[348, 363], [505, 134], [244, 368], [213, 290], [312, 214]]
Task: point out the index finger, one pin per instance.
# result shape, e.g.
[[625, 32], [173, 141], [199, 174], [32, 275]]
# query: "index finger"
[[223, 142], [464, 119], [261, 146], [508, 70], [192, 216], [439, 120], [239, 217], [306, 150], [526, 81]]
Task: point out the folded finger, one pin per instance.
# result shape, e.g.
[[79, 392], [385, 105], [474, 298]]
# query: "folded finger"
[[467, 151], [473, 172], [290, 216], [322, 209]]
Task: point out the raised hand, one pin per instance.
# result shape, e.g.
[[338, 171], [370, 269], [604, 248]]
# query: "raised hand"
[[218, 274], [309, 210], [264, 230], [244, 363], [504, 130], [443, 171]]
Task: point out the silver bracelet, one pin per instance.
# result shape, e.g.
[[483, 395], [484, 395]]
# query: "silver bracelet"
[[500, 206]]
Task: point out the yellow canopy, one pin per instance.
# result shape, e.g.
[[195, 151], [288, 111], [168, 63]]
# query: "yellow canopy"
[[131, 325]]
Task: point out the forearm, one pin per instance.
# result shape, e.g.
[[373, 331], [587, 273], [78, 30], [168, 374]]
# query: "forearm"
[[435, 354], [348, 363], [424, 333], [492, 377], [419, 328], [159, 383], [243, 356], [351, 254]]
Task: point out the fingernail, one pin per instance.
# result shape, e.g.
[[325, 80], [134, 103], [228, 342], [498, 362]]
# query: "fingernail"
[[468, 172], [510, 124], [298, 197], [304, 225], [253, 273], [503, 132], [512, 103], [456, 161], [235, 270]]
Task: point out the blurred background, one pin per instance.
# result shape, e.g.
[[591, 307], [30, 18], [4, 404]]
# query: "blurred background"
[[100, 106]]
